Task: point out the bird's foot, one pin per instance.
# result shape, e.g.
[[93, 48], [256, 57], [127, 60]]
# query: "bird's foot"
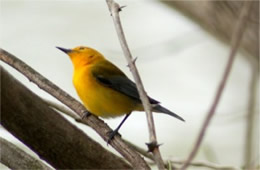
[[111, 135], [85, 114]]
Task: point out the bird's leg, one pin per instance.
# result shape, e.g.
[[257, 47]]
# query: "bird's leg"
[[114, 132]]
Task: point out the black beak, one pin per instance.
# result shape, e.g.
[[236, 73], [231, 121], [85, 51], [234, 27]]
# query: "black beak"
[[64, 50]]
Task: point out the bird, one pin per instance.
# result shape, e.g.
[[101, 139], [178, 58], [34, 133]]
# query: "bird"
[[104, 89]]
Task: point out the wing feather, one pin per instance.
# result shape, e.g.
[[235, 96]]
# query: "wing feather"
[[110, 76]]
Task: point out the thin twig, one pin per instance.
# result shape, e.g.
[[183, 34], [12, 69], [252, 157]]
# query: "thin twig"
[[62, 109], [235, 41], [97, 124], [140, 150], [114, 9]]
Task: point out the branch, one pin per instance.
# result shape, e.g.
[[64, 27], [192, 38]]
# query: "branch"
[[114, 9], [62, 109], [49, 134], [235, 41], [15, 158], [98, 125], [69, 113], [141, 150]]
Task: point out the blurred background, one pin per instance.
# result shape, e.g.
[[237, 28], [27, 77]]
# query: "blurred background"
[[180, 64]]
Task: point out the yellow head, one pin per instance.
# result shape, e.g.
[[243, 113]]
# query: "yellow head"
[[82, 56]]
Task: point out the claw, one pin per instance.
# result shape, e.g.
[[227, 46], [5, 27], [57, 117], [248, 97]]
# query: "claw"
[[85, 114], [111, 135]]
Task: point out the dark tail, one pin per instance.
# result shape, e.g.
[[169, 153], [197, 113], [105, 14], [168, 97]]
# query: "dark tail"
[[159, 108]]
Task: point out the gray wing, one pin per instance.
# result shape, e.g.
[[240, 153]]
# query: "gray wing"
[[121, 84]]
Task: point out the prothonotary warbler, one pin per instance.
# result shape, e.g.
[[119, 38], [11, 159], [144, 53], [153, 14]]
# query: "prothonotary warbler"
[[104, 89]]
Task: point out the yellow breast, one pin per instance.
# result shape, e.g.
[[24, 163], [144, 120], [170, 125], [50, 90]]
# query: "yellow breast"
[[98, 99]]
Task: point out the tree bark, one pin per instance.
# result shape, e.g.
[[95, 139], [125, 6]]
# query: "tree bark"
[[15, 158], [47, 133], [219, 18]]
